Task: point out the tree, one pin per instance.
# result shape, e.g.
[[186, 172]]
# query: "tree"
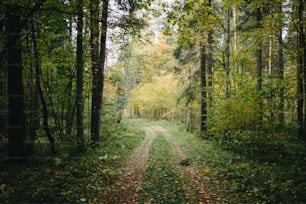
[[203, 125], [210, 59], [259, 62], [281, 67], [96, 72], [98, 63], [16, 116], [79, 73], [301, 72]]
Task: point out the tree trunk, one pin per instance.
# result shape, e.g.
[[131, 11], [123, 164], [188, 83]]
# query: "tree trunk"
[[210, 63], [96, 72], [227, 54], [270, 70], [301, 78], [79, 73], [281, 116], [40, 92], [16, 115], [203, 126], [235, 46], [259, 64]]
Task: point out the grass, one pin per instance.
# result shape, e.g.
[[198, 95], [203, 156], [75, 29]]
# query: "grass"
[[269, 171], [164, 181], [68, 177]]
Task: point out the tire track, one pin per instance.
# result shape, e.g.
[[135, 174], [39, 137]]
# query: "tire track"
[[204, 197], [125, 190]]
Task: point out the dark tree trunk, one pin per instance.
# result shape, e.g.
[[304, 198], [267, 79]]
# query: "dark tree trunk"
[[31, 102], [103, 49], [303, 46], [259, 64], [79, 73], [301, 73], [40, 92], [16, 115], [96, 80], [281, 74], [98, 77], [70, 108], [203, 126], [227, 54], [210, 63]]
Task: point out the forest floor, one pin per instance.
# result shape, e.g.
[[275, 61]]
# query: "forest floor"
[[146, 161]]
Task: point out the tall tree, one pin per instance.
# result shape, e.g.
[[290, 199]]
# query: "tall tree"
[[79, 74], [281, 68], [210, 41], [16, 115], [301, 78], [227, 52], [96, 80], [98, 63], [259, 62], [203, 118]]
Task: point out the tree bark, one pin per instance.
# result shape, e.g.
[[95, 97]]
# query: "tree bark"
[[79, 73], [210, 63], [203, 126], [96, 80], [16, 115], [235, 46], [259, 64], [227, 54], [301, 78], [281, 116]]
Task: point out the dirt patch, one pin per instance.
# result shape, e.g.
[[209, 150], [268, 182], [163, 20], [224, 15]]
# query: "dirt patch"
[[125, 190], [196, 180]]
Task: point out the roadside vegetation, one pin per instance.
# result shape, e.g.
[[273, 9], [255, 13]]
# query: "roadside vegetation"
[[71, 176], [263, 171]]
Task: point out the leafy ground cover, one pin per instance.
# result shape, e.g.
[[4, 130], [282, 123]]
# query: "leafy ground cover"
[[254, 172], [69, 177], [164, 180]]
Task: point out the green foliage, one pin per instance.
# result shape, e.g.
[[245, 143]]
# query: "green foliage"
[[239, 112]]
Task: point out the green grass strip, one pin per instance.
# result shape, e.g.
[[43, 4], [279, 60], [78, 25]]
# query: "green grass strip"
[[164, 180]]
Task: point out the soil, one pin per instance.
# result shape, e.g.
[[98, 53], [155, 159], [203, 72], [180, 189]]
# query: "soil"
[[125, 190]]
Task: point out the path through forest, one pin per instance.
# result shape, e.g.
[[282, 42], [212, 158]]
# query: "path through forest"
[[128, 186]]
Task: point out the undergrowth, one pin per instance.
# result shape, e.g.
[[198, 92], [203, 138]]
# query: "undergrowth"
[[257, 170], [69, 176]]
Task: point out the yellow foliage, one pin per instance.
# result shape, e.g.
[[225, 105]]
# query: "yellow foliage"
[[154, 99], [205, 170]]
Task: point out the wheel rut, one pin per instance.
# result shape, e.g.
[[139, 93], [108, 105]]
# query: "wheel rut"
[[197, 181], [125, 190]]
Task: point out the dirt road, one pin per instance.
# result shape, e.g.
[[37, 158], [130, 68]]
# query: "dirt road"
[[126, 189]]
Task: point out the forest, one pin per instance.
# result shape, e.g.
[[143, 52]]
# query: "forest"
[[152, 101]]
